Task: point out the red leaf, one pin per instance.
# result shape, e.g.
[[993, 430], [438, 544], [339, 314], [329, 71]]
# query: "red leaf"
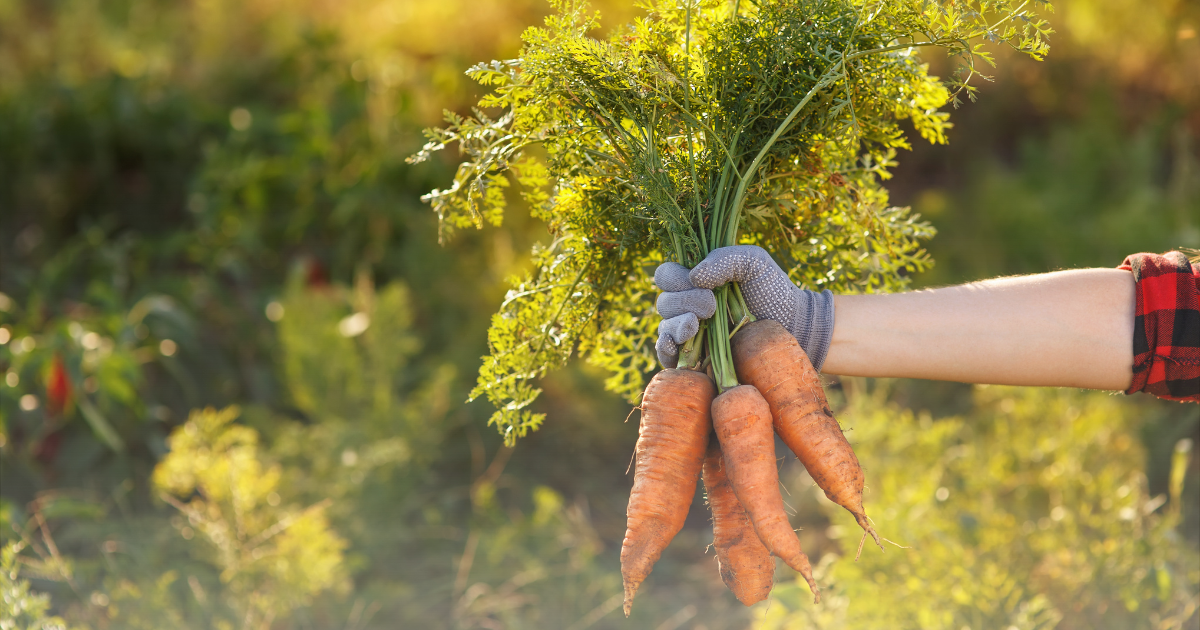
[[58, 387]]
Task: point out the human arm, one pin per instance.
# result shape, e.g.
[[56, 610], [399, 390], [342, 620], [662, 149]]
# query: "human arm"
[[1066, 328], [1135, 328]]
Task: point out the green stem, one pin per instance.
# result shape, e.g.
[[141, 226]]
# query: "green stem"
[[741, 322], [711, 135], [736, 312], [832, 75], [718, 343], [739, 197], [741, 302], [692, 352], [722, 193], [561, 306], [1011, 15], [687, 103]]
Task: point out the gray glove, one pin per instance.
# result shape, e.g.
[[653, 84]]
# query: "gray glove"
[[682, 306], [769, 294]]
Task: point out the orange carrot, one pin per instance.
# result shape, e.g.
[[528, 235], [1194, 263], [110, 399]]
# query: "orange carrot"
[[745, 564], [767, 356], [670, 451], [742, 420]]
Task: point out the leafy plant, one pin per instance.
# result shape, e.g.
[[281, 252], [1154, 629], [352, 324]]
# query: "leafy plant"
[[20, 607], [1032, 513], [271, 560], [699, 126]]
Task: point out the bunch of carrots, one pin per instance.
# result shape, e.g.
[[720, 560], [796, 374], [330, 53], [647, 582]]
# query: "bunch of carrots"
[[681, 410], [707, 123]]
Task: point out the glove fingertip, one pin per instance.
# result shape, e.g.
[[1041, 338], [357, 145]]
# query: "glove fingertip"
[[705, 275], [687, 328], [667, 350], [677, 330], [672, 276], [668, 360], [669, 304]]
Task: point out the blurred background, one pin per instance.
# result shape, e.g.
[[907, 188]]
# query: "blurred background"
[[234, 357]]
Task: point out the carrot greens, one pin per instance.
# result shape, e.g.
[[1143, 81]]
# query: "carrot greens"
[[703, 124]]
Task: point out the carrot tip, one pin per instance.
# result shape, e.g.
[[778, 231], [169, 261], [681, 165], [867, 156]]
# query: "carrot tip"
[[861, 517], [804, 568], [812, 586]]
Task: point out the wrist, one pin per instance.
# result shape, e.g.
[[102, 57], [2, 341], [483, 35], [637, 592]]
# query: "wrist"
[[812, 323]]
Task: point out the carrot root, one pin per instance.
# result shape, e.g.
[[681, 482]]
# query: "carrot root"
[[744, 563], [670, 451], [861, 518], [742, 421], [767, 356]]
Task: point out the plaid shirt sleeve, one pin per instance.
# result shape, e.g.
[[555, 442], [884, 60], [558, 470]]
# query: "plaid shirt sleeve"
[[1166, 333]]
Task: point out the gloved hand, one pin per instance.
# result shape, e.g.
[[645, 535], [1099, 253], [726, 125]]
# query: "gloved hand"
[[768, 291]]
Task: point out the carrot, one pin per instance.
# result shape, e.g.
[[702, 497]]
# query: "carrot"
[[742, 422], [745, 564], [670, 451], [767, 356]]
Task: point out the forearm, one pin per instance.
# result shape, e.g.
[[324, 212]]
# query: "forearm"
[[1067, 328]]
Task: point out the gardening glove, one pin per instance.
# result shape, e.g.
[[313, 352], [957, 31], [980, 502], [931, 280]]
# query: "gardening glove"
[[770, 294], [682, 306]]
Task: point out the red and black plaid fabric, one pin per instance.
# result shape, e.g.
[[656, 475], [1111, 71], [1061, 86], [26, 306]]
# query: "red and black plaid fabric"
[[1166, 335]]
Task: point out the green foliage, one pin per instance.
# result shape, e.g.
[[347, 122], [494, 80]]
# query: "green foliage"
[[378, 424], [535, 569], [154, 604], [1030, 512], [21, 608], [1091, 190], [272, 560], [345, 351], [157, 192], [345, 355], [691, 129]]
